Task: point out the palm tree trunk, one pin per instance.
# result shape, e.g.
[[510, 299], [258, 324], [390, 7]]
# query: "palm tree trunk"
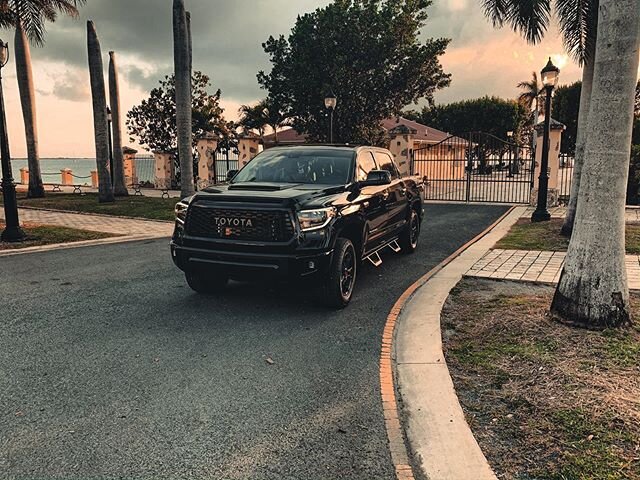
[[100, 123], [119, 184], [182, 62], [593, 287], [28, 101], [583, 114]]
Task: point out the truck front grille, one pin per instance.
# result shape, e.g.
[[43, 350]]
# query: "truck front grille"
[[239, 224]]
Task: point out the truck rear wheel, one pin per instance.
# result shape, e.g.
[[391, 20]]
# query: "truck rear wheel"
[[411, 234], [206, 283], [341, 278]]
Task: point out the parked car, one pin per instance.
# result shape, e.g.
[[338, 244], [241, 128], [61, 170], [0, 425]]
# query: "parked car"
[[299, 212]]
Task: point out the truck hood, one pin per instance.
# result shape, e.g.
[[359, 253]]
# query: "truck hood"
[[283, 194]]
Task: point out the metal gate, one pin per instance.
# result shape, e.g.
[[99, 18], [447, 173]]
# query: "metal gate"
[[225, 158], [476, 167]]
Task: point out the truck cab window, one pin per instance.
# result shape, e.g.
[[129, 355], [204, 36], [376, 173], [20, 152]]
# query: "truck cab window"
[[364, 165]]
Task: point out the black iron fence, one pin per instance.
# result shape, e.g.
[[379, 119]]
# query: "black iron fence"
[[476, 167], [225, 158], [565, 176]]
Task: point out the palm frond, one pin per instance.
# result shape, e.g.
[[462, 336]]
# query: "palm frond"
[[34, 14], [578, 23], [496, 11], [530, 18]]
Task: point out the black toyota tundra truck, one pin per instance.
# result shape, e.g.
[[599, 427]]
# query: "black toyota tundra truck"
[[299, 212]]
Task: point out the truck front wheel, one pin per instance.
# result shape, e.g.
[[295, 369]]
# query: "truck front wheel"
[[341, 278]]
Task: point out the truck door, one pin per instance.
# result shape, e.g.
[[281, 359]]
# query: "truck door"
[[395, 196], [372, 200]]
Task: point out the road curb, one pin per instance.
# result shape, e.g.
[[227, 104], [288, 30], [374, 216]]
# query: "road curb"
[[83, 243], [89, 214], [391, 381]]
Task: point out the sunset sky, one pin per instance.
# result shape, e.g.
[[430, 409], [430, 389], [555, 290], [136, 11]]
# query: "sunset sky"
[[227, 37]]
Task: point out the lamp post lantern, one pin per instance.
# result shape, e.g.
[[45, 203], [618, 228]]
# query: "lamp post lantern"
[[549, 75], [12, 231], [330, 103], [110, 123]]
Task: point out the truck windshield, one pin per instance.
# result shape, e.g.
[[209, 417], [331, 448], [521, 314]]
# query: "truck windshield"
[[299, 165]]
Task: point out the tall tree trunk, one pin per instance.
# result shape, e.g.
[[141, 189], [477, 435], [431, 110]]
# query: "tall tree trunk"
[[28, 101], [583, 114], [100, 122], [182, 64], [119, 184], [593, 287]]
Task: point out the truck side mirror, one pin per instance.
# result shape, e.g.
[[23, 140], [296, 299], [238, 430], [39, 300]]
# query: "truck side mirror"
[[377, 178]]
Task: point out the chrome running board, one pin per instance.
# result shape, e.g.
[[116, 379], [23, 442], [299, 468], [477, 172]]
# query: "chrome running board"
[[375, 258]]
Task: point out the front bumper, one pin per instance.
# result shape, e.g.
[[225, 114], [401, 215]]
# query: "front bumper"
[[249, 265]]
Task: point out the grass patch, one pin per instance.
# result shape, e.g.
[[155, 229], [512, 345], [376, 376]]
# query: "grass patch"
[[132, 206], [38, 235], [525, 235], [544, 400]]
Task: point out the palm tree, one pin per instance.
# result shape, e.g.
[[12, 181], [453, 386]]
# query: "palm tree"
[[28, 17], [100, 123], [593, 287], [530, 96], [578, 21], [252, 118], [119, 184], [266, 113], [182, 64]]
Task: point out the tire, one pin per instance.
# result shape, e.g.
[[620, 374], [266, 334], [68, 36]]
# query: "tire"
[[411, 234], [339, 284], [202, 283]]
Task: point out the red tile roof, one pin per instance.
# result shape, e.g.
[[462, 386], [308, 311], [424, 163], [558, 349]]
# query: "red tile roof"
[[423, 133]]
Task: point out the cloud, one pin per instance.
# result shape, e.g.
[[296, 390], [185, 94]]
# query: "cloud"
[[71, 87]]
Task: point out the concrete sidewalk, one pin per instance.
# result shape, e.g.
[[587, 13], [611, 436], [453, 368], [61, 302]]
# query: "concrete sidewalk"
[[96, 223], [440, 439]]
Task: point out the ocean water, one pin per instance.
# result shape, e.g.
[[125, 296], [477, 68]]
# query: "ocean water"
[[81, 167]]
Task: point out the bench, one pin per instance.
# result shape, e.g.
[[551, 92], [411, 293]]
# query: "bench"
[[56, 186], [137, 190]]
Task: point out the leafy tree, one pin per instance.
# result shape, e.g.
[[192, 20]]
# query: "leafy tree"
[[153, 122], [368, 52], [487, 114], [566, 109], [29, 18]]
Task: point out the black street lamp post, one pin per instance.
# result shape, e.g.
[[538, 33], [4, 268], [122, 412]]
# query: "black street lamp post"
[[12, 231], [549, 79], [330, 103], [110, 121]]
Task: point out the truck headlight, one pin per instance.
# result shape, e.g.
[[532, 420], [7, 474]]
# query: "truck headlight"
[[315, 219], [181, 211]]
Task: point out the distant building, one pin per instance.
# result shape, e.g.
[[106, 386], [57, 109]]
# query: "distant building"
[[423, 135]]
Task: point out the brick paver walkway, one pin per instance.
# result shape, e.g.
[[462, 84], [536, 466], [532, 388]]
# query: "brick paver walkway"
[[535, 266], [96, 223]]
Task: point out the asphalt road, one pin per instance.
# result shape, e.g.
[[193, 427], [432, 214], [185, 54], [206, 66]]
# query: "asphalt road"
[[110, 367]]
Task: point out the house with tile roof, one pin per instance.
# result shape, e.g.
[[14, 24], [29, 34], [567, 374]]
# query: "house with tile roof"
[[406, 136]]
